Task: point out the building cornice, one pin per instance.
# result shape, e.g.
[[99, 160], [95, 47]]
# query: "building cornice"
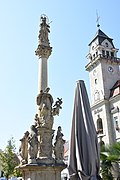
[[99, 58], [115, 98], [99, 104]]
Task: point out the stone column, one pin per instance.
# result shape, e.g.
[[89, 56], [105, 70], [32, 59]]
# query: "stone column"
[[42, 163], [43, 52], [42, 74]]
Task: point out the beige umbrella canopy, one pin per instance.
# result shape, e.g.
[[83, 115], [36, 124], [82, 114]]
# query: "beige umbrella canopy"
[[83, 157]]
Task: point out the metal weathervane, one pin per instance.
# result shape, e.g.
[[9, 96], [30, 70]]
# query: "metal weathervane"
[[98, 18]]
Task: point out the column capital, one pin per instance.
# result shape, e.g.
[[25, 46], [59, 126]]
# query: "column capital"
[[43, 51]]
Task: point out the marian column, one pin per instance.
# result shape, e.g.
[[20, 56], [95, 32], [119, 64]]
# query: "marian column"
[[42, 155], [43, 52]]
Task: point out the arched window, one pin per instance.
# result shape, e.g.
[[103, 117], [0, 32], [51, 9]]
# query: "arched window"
[[99, 125], [95, 81]]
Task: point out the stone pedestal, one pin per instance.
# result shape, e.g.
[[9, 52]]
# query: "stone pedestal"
[[42, 172], [45, 142]]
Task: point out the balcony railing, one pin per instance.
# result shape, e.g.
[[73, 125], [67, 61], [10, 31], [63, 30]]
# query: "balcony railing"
[[99, 56], [115, 59]]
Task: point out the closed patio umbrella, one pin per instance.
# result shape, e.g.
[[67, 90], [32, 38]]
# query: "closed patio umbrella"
[[83, 156]]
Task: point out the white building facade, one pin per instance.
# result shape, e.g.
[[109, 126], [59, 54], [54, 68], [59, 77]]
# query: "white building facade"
[[104, 73]]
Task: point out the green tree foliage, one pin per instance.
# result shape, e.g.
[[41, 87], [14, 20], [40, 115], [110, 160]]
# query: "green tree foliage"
[[9, 159], [110, 157]]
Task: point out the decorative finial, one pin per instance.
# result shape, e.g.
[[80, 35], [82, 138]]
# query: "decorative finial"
[[97, 21], [44, 49]]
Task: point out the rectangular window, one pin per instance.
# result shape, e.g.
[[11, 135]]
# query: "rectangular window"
[[103, 53], [107, 53], [112, 54]]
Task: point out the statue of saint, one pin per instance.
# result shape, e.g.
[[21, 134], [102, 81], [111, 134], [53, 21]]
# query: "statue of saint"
[[39, 97], [59, 145], [33, 143], [45, 101], [43, 33], [59, 134], [23, 150]]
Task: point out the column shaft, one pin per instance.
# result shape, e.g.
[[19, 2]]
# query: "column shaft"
[[43, 74]]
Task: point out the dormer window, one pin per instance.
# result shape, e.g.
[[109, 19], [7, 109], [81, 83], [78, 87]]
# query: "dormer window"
[[106, 44]]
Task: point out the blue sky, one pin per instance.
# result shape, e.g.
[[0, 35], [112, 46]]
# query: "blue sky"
[[73, 27]]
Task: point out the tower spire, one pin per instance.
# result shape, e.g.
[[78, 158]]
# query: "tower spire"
[[43, 52]]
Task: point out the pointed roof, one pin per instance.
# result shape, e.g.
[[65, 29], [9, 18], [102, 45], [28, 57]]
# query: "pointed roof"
[[101, 37]]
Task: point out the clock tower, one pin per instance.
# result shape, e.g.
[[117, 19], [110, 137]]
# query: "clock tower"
[[103, 68]]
